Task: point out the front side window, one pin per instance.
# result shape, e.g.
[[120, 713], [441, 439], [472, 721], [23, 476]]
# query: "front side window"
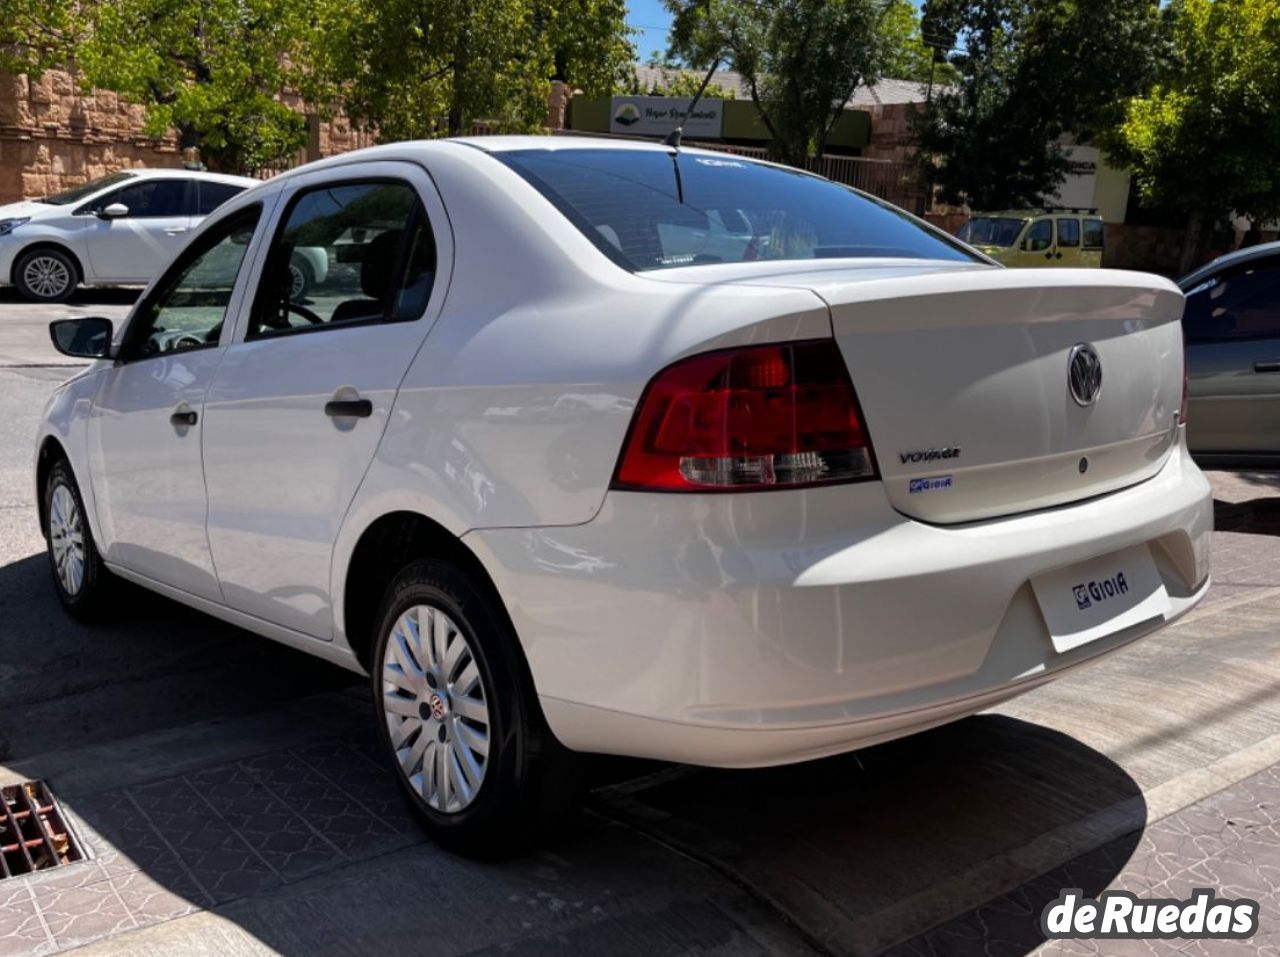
[[1039, 236], [653, 209], [151, 198], [1239, 304], [77, 193], [187, 309], [372, 243], [1069, 232]]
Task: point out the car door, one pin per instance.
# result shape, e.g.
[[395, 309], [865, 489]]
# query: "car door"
[[1232, 330], [136, 246], [1036, 247], [1068, 241], [296, 411], [144, 433]]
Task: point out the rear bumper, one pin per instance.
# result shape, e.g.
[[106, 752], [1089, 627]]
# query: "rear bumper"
[[751, 629]]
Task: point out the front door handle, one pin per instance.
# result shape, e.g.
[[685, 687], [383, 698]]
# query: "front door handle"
[[355, 408], [175, 230], [184, 417], [1271, 366]]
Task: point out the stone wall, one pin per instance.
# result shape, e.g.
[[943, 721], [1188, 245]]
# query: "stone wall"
[[891, 137], [53, 135]]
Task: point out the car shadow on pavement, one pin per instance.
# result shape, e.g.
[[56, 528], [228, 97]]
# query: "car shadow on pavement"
[[946, 834], [1258, 516], [207, 769]]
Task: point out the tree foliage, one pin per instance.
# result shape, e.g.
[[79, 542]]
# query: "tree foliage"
[[1029, 71], [37, 34], [908, 54], [1205, 138], [421, 68], [801, 60], [677, 82]]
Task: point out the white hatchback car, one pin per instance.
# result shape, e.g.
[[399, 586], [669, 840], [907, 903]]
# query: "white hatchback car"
[[566, 472], [117, 230]]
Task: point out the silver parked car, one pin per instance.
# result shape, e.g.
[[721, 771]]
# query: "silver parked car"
[[1232, 331]]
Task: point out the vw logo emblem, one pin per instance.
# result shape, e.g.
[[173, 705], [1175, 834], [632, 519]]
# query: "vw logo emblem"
[[1084, 374]]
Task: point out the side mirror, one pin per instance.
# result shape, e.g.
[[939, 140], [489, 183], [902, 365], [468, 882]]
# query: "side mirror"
[[85, 337], [114, 211]]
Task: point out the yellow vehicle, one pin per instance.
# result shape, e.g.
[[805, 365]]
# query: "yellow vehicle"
[[1038, 237]]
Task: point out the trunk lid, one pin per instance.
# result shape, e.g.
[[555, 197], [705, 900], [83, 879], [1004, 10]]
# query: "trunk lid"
[[963, 377]]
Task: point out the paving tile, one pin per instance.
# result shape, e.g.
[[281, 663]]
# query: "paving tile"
[[76, 915], [284, 840], [150, 901], [218, 857], [370, 783], [22, 932]]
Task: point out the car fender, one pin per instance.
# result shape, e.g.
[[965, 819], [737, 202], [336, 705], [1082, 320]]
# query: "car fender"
[[66, 420]]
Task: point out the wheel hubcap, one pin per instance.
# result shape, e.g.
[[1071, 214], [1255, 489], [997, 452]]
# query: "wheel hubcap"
[[297, 282], [436, 708], [46, 276], [66, 538]]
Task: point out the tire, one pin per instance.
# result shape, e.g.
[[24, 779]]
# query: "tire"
[[84, 586], [432, 718], [46, 275], [301, 278]]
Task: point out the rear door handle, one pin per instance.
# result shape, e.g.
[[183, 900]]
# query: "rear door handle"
[[1272, 366], [184, 418], [356, 408], [175, 230]]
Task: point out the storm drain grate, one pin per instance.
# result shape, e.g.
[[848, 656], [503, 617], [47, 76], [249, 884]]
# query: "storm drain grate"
[[34, 835]]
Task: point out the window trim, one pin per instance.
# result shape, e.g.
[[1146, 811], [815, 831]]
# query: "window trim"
[[397, 275], [130, 343]]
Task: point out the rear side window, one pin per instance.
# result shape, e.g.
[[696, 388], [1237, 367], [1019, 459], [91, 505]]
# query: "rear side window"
[[213, 195], [366, 251], [1068, 232], [1239, 304], [660, 210], [1094, 234]]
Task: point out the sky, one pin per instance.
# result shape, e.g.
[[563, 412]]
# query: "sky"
[[650, 17]]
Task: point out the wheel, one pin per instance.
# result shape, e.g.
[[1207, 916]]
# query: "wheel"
[[472, 752], [85, 587], [301, 278], [46, 275]]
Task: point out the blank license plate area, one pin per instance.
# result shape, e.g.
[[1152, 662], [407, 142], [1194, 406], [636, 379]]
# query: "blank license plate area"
[[1099, 597]]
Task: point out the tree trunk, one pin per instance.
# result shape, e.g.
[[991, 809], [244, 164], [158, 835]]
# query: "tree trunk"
[[1191, 243]]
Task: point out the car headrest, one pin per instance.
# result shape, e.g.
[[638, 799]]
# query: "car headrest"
[[379, 263]]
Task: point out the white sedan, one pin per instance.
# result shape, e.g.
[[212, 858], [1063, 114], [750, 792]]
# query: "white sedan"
[[117, 230], [565, 470]]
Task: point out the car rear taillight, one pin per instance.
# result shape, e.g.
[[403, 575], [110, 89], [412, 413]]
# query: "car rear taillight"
[[757, 417]]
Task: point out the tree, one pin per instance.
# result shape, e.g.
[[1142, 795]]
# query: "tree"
[[801, 60], [1205, 138], [1030, 71], [37, 34], [421, 68], [677, 82], [212, 69], [908, 56]]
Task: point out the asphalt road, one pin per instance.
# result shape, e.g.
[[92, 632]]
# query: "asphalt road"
[[236, 805]]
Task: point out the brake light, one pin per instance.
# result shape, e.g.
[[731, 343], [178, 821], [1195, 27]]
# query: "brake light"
[[758, 417]]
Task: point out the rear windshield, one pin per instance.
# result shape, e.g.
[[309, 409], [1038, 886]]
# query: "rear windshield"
[[991, 231], [658, 210]]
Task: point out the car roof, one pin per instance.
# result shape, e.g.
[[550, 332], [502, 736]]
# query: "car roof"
[[1237, 258], [1029, 213], [148, 172]]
